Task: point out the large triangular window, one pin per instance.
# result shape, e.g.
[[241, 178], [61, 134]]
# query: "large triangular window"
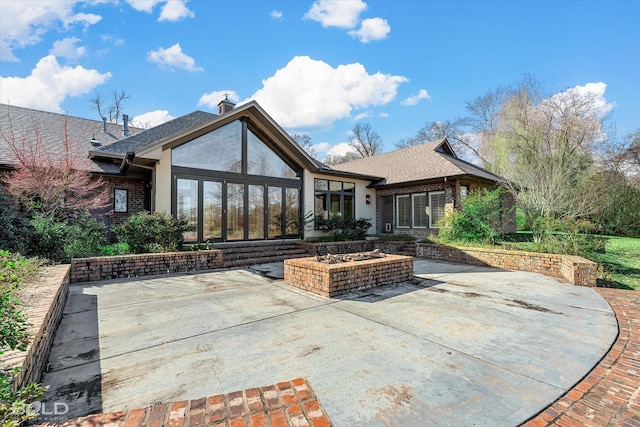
[[261, 160], [218, 150]]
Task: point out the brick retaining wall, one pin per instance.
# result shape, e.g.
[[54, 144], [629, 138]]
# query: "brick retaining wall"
[[331, 280], [575, 269], [44, 303], [114, 267]]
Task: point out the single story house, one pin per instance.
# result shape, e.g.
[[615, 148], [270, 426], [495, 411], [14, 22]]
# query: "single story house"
[[239, 176]]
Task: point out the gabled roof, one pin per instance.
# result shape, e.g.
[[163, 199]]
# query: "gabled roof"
[[158, 133], [424, 162], [188, 127], [27, 125]]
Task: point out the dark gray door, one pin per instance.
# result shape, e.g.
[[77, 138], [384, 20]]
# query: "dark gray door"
[[386, 214]]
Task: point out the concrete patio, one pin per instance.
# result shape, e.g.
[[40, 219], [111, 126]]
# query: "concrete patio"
[[458, 345]]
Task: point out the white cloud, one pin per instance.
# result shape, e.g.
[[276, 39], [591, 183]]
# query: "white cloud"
[[175, 10], [308, 93], [143, 5], [276, 14], [152, 118], [361, 116], [383, 115], [67, 48], [30, 20], [371, 29], [594, 91], [415, 99], [340, 149], [49, 84], [212, 99], [172, 58], [336, 13], [321, 147]]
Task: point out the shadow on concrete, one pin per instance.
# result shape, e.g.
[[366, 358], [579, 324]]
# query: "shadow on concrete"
[[384, 292], [73, 371]]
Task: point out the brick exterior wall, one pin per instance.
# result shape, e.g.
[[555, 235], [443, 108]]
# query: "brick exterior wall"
[[44, 312], [576, 270], [114, 267], [452, 201], [331, 280], [135, 198]]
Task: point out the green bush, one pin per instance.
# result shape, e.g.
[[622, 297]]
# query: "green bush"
[[12, 223], [14, 335], [157, 232], [115, 249], [78, 237], [476, 221], [339, 229], [567, 236]]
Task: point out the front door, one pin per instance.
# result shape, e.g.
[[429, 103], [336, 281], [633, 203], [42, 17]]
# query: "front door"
[[386, 214]]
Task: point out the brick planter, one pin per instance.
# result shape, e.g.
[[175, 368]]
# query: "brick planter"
[[330, 280], [576, 270]]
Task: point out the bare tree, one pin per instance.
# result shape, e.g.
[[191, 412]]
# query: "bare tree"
[[110, 108], [545, 148], [304, 141], [366, 141], [48, 177], [336, 159], [433, 131]]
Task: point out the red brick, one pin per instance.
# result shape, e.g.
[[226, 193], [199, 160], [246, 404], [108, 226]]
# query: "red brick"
[[277, 418], [237, 422], [258, 420], [135, 418]]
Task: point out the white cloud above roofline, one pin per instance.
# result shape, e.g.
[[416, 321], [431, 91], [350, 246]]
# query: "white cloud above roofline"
[[322, 93], [173, 58], [49, 84]]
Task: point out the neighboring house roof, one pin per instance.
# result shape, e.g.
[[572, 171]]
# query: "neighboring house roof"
[[157, 133], [25, 125], [428, 161]]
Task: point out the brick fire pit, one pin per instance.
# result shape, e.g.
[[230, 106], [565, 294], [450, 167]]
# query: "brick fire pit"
[[336, 279]]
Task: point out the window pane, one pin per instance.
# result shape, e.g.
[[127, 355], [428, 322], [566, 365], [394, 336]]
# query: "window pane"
[[187, 195], [263, 161], [348, 206], [436, 201], [322, 184], [212, 210], [335, 206], [403, 211], [235, 211], [275, 212], [256, 212], [349, 186], [335, 186], [219, 150], [420, 218], [292, 211]]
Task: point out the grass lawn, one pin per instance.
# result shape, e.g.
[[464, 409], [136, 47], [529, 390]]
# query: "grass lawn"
[[621, 263]]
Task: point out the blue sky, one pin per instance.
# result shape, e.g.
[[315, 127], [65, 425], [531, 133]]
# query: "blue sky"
[[317, 67]]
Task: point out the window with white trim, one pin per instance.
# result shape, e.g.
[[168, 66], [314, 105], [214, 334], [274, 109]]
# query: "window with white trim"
[[420, 218], [403, 211], [436, 208]]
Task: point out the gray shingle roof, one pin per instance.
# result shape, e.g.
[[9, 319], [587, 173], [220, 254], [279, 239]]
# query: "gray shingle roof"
[[157, 133], [26, 125], [419, 163]]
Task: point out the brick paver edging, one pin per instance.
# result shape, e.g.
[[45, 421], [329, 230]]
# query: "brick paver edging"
[[285, 404], [610, 394]]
